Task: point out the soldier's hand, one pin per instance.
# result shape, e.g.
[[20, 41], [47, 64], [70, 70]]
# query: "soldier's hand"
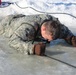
[[39, 49]]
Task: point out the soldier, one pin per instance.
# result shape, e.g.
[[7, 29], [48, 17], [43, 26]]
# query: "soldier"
[[24, 32]]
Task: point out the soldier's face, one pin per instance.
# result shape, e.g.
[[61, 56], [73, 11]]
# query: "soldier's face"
[[44, 33]]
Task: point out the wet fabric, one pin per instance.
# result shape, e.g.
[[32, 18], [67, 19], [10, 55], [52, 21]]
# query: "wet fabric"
[[21, 29]]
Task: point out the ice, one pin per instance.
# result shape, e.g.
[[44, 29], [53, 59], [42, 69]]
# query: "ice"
[[52, 6], [15, 63]]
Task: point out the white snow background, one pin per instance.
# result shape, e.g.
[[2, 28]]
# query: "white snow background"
[[65, 10]]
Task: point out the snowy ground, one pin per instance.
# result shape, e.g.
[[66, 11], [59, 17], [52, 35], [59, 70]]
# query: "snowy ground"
[[14, 63]]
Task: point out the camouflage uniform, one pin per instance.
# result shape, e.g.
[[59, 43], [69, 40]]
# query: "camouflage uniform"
[[17, 28], [65, 34]]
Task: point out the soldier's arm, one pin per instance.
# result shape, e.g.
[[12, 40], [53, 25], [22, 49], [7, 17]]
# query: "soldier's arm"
[[26, 47], [19, 39], [21, 46], [67, 35], [23, 43]]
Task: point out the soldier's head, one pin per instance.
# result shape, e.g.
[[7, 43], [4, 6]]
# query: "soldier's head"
[[50, 30]]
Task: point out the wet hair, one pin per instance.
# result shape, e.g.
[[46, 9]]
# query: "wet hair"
[[53, 27]]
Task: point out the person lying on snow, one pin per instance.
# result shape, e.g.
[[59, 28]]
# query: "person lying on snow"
[[29, 33]]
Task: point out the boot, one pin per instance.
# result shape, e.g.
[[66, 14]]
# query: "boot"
[[73, 40]]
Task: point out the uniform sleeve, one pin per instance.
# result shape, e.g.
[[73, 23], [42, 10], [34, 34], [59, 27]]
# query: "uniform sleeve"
[[66, 34], [20, 39], [20, 45], [17, 30]]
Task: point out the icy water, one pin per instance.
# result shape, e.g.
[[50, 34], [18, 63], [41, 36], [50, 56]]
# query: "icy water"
[[15, 63]]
